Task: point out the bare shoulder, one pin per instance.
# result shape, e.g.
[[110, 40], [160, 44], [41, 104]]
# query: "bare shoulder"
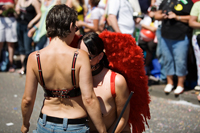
[[82, 51], [32, 56], [32, 59], [120, 83], [83, 58], [83, 54]]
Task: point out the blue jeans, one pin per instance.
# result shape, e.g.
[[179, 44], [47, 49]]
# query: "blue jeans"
[[24, 41], [175, 56], [44, 126], [159, 54]]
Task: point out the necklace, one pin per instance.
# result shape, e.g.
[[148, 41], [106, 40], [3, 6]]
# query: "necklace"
[[96, 69]]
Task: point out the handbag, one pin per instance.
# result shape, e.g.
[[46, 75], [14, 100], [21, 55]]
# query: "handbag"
[[108, 27]]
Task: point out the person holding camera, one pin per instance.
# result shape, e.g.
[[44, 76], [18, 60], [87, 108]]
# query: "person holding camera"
[[194, 22], [176, 35]]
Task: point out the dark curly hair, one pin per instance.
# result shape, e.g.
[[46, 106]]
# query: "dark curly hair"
[[95, 2], [58, 21], [95, 46]]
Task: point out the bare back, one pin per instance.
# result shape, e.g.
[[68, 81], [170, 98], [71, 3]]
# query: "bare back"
[[56, 63]]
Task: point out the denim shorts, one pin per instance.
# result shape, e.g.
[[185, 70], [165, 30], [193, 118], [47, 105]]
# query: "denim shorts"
[[8, 29], [175, 54], [44, 126]]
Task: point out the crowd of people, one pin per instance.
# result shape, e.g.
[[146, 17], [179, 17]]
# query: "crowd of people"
[[163, 29], [72, 102]]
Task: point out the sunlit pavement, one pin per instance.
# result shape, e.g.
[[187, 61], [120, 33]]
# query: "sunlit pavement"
[[169, 113]]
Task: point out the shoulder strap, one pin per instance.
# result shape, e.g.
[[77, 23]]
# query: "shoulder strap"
[[40, 69], [112, 83], [73, 68]]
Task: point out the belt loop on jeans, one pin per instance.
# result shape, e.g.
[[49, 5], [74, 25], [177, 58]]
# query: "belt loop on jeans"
[[65, 123], [44, 119]]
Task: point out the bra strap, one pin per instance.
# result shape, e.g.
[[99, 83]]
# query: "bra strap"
[[73, 68], [40, 69], [112, 83]]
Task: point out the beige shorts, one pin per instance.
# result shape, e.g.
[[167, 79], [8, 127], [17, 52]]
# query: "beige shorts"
[[8, 29]]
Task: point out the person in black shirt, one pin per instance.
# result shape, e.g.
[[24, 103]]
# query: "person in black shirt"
[[176, 34], [28, 14]]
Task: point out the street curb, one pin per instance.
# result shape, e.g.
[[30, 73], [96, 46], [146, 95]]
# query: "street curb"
[[187, 95]]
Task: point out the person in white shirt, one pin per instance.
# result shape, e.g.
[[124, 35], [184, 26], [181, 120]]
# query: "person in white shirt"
[[120, 16], [91, 21]]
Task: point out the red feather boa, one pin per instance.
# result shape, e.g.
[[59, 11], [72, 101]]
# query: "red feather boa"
[[126, 58]]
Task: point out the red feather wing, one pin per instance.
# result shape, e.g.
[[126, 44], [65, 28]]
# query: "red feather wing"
[[126, 58]]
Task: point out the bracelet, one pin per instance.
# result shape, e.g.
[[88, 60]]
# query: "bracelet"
[[179, 18], [36, 28]]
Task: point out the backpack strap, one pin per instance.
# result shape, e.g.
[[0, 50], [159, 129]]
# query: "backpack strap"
[[73, 68], [112, 83]]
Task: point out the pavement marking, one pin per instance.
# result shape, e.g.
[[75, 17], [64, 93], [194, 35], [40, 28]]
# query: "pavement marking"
[[184, 103], [9, 124]]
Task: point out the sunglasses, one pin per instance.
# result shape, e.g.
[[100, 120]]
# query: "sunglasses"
[[76, 28]]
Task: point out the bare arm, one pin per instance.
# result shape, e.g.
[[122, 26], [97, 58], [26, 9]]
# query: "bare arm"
[[152, 2], [29, 96], [17, 7], [8, 6], [58, 2], [159, 15], [184, 18], [88, 96], [69, 3], [193, 22], [89, 28], [36, 4], [112, 20], [151, 28], [32, 30], [122, 95]]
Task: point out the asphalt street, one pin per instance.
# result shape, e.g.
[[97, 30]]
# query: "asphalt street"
[[169, 114]]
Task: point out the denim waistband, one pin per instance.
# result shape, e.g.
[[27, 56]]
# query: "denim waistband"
[[61, 120]]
